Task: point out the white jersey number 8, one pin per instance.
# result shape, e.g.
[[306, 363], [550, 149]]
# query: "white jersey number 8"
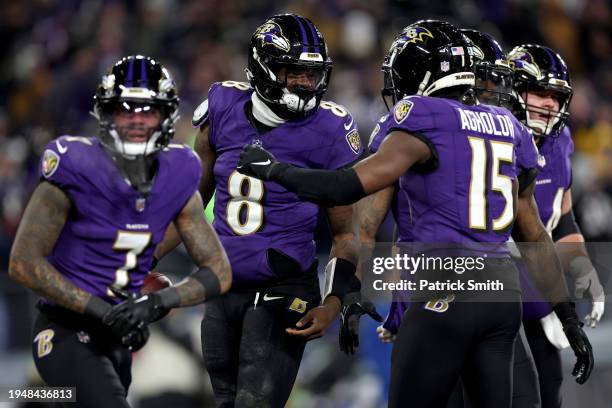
[[246, 194]]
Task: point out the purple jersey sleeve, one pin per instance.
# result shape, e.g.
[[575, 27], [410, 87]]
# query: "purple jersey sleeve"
[[57, 165], [347, 146], [567, 148], [378, 135], [221, 97], [526, 150]]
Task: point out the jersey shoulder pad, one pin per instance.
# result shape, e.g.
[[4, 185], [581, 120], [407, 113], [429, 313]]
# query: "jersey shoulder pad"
[[63, 156], [184, 162], [415, 113], [222, 96], [566, 141], [338, 121]]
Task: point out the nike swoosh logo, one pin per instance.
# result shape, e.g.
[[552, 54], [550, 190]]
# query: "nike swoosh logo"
[[267, 298], [347, 126], [62, 149], [262, 163]]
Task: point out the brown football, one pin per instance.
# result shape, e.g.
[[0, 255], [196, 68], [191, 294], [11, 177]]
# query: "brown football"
[[155, 281]]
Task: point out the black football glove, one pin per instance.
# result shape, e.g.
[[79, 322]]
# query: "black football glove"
[[355, 305], [256, 162], [134, 338], [578, 341], [134, 314]]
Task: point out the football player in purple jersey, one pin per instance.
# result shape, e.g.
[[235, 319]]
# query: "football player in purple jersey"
[[253, 337], [543, 90], [437, 135], [86, 239]]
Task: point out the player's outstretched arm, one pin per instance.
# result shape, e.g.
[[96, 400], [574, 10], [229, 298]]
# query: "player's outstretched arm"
[[545, 267], [39, 229], [398, 152], [575, 260]]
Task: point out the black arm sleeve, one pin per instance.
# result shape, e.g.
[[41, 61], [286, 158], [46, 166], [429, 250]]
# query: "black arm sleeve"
[[326, 187], [567, 225]]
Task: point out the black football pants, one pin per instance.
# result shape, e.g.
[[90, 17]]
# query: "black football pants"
[[251, 360], [70, 354], [474, 340]]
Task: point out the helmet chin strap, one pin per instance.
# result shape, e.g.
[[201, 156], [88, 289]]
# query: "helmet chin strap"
[[544, 127], [294, 103], [263, 114]]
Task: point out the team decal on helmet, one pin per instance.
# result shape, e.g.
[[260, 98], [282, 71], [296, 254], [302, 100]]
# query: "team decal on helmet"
[[271, 33], [411, 35], [522, 60]]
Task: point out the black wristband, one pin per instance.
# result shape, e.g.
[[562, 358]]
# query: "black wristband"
[[169, 297], [567, 225], [97, 308], [154, 263], [210, 281], [339, 275], [566, 312]]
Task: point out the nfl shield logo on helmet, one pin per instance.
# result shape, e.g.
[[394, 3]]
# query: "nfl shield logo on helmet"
[[402, 110], [354, 140], [444, 66], [50, 163]]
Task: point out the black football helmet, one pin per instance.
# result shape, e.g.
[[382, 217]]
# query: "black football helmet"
[[292, 42], [493, 73], [426, 57], [539, 68], [136, 84]]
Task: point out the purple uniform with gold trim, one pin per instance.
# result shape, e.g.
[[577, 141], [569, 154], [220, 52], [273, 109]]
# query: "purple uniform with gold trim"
[[495, 124], [252, 216], [467, 196], [553, 180], [111, 231]]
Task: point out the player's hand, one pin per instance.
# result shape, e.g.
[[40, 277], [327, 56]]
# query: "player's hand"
[[578, 340], [316, 321], [354, 307], [134, 313], [583, 351], [257, 162], [385, 335], [589, 285]]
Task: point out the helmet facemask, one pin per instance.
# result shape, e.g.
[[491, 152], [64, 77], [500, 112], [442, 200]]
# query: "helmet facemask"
[[136, 106], [543, 121], [493, 84], [291, 90]]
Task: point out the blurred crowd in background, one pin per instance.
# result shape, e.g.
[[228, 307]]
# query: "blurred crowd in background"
[[55, 51]]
